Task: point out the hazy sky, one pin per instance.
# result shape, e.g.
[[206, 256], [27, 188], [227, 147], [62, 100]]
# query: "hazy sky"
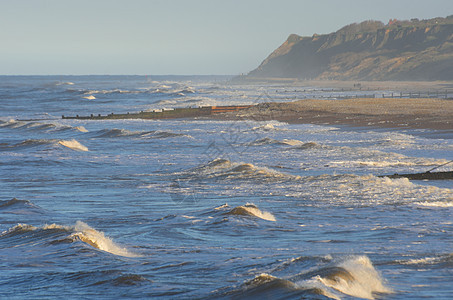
[[174, 36]]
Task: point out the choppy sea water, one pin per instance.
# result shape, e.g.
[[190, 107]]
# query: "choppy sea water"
[[211, 209]]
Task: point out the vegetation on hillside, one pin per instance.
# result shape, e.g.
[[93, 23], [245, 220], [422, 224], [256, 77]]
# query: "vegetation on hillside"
[[370, 50]]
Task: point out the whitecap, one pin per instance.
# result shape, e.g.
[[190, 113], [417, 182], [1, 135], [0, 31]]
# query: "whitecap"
[[223, 168], [81, 129], [73, 144], [266, 127], [354, 276], [98, 240], [292, 142], [435, 203], [251, 209], [79, 232]]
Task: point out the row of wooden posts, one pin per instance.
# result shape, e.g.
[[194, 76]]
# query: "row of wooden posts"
[[436, 94]]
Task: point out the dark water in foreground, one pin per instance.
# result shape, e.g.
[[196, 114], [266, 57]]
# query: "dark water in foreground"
[[211, 209]]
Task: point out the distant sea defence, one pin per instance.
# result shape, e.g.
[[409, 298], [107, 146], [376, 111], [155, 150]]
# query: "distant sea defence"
[[371, 50]]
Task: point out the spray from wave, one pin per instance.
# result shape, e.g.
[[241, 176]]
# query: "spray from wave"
[[98, 240], [52, 234], [354, 276]]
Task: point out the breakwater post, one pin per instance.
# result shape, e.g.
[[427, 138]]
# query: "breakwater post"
[[173, 113]]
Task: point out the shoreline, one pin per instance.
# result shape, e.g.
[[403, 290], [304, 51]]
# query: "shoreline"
[[413, 113], [405, 86]]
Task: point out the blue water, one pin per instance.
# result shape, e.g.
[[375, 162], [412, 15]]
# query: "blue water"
[[208, 208]]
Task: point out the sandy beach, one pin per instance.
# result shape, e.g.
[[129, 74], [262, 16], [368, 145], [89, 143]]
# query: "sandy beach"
[[399, 113], [397, 86]]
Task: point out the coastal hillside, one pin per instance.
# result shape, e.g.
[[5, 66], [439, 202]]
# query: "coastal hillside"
[[371, 50]]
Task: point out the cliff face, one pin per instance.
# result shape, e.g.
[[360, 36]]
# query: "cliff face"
[[408, 50]]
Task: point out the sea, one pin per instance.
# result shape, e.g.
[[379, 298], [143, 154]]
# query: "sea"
[[213, 209]]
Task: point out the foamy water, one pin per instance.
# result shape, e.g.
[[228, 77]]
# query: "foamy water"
[[212, 209]]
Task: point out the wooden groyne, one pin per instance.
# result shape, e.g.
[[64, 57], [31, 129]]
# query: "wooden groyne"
[[424, 176], [343, 94], [173, 113]]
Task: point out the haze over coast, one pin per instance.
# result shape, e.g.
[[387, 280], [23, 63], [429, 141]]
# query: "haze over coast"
[[193, 186], [400, 50]]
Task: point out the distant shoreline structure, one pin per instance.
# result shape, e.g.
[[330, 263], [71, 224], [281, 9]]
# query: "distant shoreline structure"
[[415, 113], [172, 113]]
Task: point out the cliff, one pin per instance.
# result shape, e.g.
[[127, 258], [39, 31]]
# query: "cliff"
[[400, 50]]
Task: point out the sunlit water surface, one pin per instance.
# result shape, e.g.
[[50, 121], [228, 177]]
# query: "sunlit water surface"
[[211, 209]]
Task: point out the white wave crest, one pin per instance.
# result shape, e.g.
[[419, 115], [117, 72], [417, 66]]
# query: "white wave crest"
[[98, 240], [81, 129], [80, 231], [392, 160], [435, 203], [266, 127], [251, 209], [73, 144], [291, 142], [223, 168], [355, 277]]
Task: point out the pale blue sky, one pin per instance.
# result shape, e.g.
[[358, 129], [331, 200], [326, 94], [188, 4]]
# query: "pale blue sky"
[[174, 36]]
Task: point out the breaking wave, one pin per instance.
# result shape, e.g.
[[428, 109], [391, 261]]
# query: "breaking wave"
[[295, 144], [73, 144], [98, 240], [30, 143], [434, 260], [81, 129], [354, 276], [113, 133], [54, 233], [13, 202], [113, 91], [64, 83], [435, 203], [119, 133], [20, 207], [185, 101], [39, 126], [350, 189], [225, 169], [398, 161], [32, 125], [251, 209], [11, 123], [172, 90], [272, 126]]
